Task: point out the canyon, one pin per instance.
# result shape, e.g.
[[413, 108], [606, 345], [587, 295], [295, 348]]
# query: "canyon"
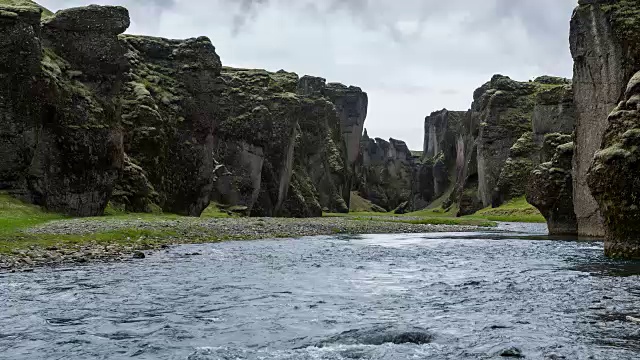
[[91, 118]]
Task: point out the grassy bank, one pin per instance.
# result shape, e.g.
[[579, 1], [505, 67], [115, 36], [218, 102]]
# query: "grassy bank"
[[32, 237], [517, 210]]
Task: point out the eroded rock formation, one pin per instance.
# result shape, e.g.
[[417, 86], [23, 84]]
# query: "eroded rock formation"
[[550, 186], [605, 48], [614, 176], [60, 83], [385, 172], [442, 158], [170, 111], [91, 116]]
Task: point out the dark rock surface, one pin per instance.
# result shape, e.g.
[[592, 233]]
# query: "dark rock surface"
[[614, 176], [550, 187], [385, 172], [170, 111], [605, 48], [152, 124], [442, 158], [59, 106]]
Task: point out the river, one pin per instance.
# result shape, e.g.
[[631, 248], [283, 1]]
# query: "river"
[[480, 295]]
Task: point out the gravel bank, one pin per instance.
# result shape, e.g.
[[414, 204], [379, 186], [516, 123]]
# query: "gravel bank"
[[188, 230]]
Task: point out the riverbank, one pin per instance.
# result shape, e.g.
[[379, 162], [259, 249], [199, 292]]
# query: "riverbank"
[[31, 237], [77, 241]]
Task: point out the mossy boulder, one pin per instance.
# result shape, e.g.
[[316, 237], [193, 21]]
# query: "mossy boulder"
[[614, 176]]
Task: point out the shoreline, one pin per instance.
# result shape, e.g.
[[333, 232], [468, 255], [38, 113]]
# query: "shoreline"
[[82, 241]]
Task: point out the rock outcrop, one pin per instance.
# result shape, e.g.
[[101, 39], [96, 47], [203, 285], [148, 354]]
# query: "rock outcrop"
[[614, 176], [498, 142], [284, 144], [385, 172], [442, 158], [550, 186], [605, 48], [59, 105], [170, 111], [91, 116], [553, 113]]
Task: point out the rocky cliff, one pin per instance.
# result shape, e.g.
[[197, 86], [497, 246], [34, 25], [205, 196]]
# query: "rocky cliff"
[[604, 44], [151, 124], [614, 176], [491, 149], [60, 82], [442, 158], [550, 186], [385, 172]]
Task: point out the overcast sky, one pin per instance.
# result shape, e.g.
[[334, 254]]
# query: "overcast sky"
[[412, 56]]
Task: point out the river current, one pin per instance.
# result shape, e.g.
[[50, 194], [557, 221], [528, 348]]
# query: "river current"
[[483, 295]]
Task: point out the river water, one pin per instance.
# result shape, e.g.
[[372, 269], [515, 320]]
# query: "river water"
[[431, 296]]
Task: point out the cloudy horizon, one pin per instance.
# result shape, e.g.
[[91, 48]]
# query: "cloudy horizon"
[[412, 59]]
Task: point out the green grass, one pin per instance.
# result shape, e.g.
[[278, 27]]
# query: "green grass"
[[517, 210], [27, 4], [16, 215]]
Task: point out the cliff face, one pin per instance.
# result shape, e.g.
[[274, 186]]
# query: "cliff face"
[[170, 110], [498, 142], [550, 186], [614, 176], [152, 124], [385, 172], [59, 105], [442, 159], [553, 113], [604, 45], [282, 140]]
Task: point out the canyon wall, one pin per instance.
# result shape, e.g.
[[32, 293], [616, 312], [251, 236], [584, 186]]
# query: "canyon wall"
[[148, 124], [604, 46]]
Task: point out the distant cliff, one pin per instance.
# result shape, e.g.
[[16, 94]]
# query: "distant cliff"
[[147, 124], [385, 172]]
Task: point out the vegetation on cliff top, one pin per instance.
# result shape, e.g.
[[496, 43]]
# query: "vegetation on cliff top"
[[28, 4], [625, 18]]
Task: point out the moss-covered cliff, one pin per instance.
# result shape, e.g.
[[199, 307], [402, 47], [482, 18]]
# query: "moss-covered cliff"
[[150, 124], [59, 105]]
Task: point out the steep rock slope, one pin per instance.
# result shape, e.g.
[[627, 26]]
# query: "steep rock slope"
[[283, 142], [604, 44], [385, 172], [170, 111], [553, 113], [550, 186], [442, 157], [614, 177], [59, 105]]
